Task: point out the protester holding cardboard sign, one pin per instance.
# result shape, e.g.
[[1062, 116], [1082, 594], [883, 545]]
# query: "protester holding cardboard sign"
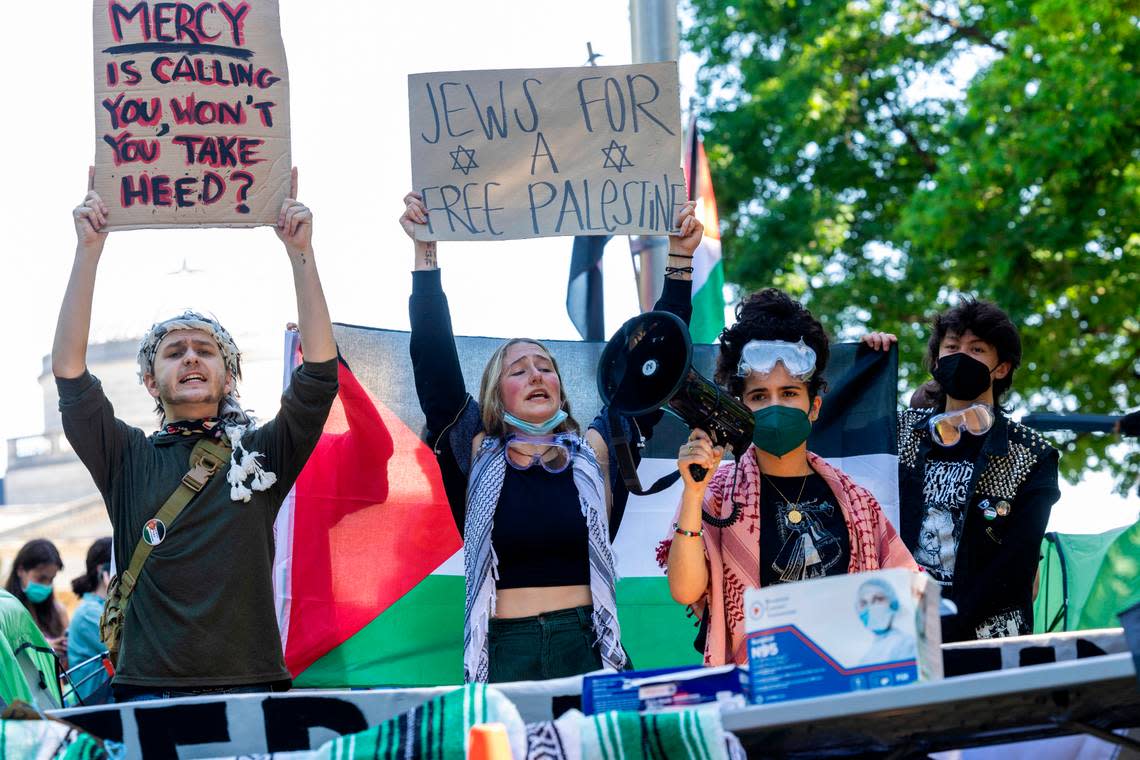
[[530, 492], [779, 513], [197, 499]]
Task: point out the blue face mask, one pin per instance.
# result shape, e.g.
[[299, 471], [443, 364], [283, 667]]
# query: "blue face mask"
[[877, 618], [541, 428], [37, 592]]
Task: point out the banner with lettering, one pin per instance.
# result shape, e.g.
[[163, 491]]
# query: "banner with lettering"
[[523, 153], [191, 113]]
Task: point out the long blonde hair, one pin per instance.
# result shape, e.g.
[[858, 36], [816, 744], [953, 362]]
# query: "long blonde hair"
[[491, 397]]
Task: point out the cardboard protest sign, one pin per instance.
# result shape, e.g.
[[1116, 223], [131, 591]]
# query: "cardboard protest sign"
[[191, 113], [524, 153]]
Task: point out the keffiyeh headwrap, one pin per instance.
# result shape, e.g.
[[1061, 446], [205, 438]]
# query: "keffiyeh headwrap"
[[234, 419]]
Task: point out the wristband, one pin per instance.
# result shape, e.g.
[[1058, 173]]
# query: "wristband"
[[690, 533]]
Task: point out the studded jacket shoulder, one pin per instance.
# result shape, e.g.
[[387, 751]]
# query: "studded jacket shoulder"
[[1014, 451], [1013, 489]]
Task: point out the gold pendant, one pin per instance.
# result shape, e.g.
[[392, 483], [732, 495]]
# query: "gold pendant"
[[795, 516]]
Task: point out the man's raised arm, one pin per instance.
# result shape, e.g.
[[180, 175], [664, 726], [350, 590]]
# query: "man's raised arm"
[[295, 229], [69, 351]]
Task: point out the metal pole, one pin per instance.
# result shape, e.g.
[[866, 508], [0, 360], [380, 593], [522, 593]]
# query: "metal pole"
[[653, 30], [653, 36]]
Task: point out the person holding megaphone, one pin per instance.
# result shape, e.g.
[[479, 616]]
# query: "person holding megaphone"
[[779, 513], [530, 491]]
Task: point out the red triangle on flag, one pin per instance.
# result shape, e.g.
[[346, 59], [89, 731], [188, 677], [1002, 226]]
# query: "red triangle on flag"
[[370, 521]]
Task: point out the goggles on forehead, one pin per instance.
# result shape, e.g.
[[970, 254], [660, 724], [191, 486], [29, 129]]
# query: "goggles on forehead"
[[946, 429], [553, 453], [760, 356]]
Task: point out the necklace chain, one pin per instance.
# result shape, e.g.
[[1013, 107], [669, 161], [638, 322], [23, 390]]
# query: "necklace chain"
[[792, 504]]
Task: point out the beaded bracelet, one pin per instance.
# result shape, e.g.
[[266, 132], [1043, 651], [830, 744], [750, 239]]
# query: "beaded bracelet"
[[690, 533]]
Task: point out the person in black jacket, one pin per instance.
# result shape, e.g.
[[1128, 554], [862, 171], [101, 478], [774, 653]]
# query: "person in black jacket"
[[530, 492], [975, 488]]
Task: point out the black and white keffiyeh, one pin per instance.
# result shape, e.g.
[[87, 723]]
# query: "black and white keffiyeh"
[[235, 421], [480, 564]]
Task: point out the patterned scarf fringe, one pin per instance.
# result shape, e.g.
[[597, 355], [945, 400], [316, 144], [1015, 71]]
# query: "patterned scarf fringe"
[[244, 467]]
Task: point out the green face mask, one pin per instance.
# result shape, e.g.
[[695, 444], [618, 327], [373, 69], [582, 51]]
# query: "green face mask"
[[780, 429], [37, 592]]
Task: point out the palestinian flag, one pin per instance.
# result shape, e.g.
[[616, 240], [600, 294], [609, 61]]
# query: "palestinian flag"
[[369, 571], [708, 270]]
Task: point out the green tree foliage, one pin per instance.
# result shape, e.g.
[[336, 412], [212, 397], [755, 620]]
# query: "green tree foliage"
[[881, 157]]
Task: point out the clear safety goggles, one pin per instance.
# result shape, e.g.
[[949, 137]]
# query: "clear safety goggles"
[[946, 429], [553, 453], [760, 356]]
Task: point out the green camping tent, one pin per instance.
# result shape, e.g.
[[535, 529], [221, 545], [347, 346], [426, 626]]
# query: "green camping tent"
[[1117, 583], [1068, 570], [27, 663]]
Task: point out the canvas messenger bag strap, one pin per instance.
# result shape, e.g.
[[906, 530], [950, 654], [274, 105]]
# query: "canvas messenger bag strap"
[[206, 458]]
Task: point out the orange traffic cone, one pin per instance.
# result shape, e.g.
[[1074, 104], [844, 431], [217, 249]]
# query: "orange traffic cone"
[[488, 741]]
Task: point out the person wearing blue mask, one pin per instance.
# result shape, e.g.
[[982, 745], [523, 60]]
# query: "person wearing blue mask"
[[531, 493], [975, 488], [33, 572], [779, 513], [877, 605]]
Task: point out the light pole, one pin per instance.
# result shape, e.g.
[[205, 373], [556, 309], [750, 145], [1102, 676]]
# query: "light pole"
[[653, 35]]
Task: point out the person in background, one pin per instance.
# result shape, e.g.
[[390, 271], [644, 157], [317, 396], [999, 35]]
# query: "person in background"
[[83, 642], [33, 572], [975, 487]]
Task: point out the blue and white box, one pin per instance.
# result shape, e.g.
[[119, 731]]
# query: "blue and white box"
[[664, 688], [842, 633]]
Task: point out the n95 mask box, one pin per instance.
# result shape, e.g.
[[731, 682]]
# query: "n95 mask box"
[[842, 633]]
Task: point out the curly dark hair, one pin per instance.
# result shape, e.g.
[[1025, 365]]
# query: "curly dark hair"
[[771, 314], [985, 320]]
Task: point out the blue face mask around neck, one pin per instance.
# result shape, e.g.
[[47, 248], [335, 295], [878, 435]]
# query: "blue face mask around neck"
[[531, 428]]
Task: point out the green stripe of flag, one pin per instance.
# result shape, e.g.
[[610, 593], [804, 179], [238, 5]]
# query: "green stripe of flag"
[[418, 640], [708, 307]]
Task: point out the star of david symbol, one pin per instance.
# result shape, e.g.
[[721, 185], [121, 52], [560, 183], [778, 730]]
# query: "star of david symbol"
[[612, 150], [463, 159]]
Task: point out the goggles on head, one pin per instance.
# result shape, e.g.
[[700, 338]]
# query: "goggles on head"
[[760, 356], [946, 429], [553, 453]]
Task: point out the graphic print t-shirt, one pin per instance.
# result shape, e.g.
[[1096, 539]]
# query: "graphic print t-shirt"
[[801, 536], [946, 496]]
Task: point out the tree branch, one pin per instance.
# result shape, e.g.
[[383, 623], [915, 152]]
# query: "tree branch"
[[923, 155], [960, 30]]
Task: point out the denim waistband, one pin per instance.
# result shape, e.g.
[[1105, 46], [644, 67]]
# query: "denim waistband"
[[582, 616]]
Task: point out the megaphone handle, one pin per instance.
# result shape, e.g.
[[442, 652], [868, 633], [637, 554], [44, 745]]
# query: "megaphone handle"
[[698, 472]]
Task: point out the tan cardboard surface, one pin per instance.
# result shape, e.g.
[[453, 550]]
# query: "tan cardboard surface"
[[191, 113], [528, 153]]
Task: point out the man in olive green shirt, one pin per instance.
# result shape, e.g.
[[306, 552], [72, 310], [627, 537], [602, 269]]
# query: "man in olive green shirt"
[[201, 618]]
